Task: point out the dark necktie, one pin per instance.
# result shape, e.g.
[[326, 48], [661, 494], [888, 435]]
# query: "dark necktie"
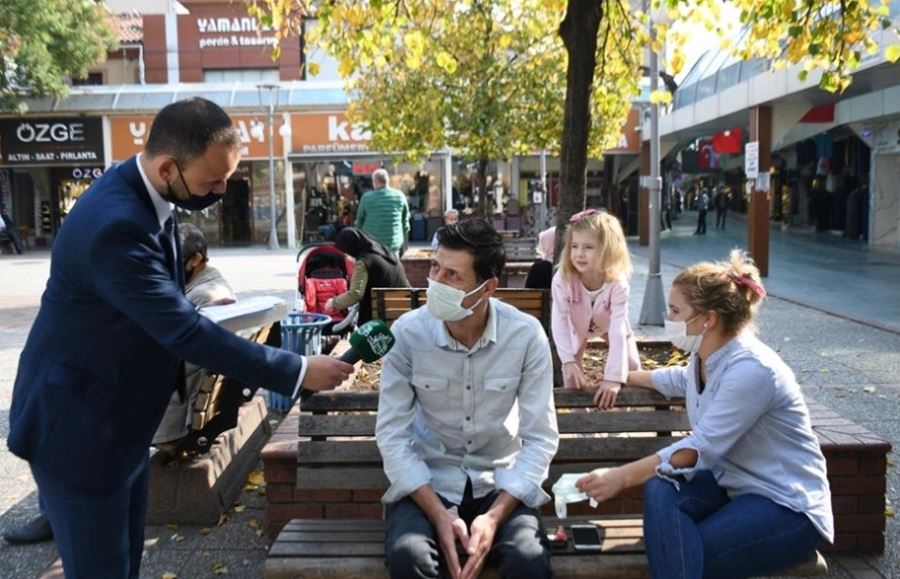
[[174, 249]]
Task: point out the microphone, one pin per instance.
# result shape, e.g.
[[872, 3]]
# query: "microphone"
[[370, 342]]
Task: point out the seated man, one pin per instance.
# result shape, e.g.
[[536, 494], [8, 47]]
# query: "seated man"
[[204, 287], [466, 421]]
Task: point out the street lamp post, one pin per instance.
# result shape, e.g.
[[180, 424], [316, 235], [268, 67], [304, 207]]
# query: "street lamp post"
[[654, 306], [272, 91]]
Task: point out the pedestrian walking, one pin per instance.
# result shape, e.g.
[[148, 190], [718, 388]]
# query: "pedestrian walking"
[[384, 213], [720, 202], [702, 208]]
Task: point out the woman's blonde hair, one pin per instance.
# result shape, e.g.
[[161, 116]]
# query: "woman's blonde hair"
[[730, 288], [612, 249]]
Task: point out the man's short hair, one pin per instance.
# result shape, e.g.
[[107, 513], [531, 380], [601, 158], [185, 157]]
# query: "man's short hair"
[[185, 129], [380, 177], [480, 239], [192, 241]]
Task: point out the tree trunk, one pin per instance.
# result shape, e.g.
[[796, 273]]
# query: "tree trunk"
[[578, 31], [484, 205]]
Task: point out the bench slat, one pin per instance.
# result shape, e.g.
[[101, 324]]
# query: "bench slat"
[[564, 398], [583, 422], [365, 452]]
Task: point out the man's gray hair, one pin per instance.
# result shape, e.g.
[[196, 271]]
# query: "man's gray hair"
[[380, 178]]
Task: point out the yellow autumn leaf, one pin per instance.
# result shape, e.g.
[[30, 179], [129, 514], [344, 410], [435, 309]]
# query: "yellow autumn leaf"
[[219, 569], [253, 524], [447, 62], [240, 508], [888, 512], [172, 526], [169, 575], [313, 68], [892, 53], [660, 97]]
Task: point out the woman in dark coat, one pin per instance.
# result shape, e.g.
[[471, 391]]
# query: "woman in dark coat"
[[376, 266]]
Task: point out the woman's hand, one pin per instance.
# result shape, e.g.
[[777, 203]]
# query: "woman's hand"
[[573, 376], [601, 484], [606, 395]]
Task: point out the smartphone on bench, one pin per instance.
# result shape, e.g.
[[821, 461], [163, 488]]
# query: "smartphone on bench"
[[586, 538]]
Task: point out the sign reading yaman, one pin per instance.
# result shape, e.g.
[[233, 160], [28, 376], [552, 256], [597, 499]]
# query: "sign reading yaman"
[[51, 141], [228, 32]]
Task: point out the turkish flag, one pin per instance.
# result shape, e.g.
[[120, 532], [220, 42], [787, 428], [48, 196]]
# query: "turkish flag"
[[729, 142]]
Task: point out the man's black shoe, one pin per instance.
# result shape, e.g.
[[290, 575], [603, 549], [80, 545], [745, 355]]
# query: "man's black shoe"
[[35, 531]]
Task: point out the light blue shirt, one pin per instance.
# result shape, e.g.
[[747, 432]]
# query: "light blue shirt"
[[447, 414], [751, 429]]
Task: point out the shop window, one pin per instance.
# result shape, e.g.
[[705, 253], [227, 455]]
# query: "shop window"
[[254, 75], [92, 79]]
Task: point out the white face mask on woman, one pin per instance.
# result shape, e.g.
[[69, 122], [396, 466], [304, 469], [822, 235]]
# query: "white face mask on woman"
[[445, 302], [676, 332]]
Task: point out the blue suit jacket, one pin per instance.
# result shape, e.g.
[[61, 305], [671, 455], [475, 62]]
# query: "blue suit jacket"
[[103, 355]]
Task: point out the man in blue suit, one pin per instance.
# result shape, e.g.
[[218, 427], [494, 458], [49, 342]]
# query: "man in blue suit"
[[108, 346]]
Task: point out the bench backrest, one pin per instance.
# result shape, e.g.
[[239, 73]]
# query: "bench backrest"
[[388, 304], [337, 449], [520, 249]]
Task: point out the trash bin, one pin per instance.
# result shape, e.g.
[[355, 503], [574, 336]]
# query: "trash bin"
[[301, 333]]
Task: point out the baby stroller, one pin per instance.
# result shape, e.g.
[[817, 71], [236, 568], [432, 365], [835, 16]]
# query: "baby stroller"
[[324, 272]]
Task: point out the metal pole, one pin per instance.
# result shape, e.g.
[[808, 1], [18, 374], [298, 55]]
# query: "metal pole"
[[653, 310], [545, 201], [273, 233]]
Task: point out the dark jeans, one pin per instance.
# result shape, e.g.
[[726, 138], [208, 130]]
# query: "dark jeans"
[[721, 214], [698, 531], [520, 546], [701, 221], [98, 535]]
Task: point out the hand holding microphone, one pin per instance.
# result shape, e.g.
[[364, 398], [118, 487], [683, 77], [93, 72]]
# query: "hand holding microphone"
[[370, 342]]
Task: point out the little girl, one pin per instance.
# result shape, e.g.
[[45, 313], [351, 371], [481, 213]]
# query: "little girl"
[[590, 299]]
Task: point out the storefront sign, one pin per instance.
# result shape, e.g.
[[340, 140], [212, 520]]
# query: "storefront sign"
[[751, 160], [630, 138], [887, 139], [231, 32], [51, 141], [129, 135], [328, 133]]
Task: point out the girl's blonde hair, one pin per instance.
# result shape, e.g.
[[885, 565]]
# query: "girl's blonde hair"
[[612, 249], [730, 288]]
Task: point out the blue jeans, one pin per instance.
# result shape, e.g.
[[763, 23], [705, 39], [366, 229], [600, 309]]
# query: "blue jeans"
[[520, 546], [698, 531]]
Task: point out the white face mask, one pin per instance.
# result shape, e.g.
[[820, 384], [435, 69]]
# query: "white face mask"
[[676, 332], [445, 302]]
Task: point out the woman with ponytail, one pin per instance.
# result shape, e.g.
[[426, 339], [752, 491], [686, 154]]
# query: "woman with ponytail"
[[745, 494]]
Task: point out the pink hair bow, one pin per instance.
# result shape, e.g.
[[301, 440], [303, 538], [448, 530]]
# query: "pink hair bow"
[[581, 215], [757, 288]]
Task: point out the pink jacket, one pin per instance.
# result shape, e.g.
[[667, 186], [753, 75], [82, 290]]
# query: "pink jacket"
[[571, 319]]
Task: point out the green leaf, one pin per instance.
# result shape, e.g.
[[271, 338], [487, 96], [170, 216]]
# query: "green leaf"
[[801, 76]]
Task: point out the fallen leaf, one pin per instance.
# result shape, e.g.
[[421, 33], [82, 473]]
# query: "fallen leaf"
[[260, 533], [205, 531], [205, 554], [256, 477], [176, 538], [869, 389], [169, 575], [240, 508], [172, 526], [219, 569], [888, 512], [253, 524], [825, 371], [223, 518]]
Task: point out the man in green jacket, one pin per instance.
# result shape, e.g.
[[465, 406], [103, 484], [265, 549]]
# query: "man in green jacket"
[[384, 213]]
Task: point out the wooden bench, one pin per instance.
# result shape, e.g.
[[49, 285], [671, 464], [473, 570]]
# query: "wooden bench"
[[388, 304], [521, 249], [339, 473]]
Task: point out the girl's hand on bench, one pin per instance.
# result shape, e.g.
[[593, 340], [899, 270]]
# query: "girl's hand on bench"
[[573, 376], [606, 395]]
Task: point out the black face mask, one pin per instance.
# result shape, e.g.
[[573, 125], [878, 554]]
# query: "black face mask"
[[192, 203]]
